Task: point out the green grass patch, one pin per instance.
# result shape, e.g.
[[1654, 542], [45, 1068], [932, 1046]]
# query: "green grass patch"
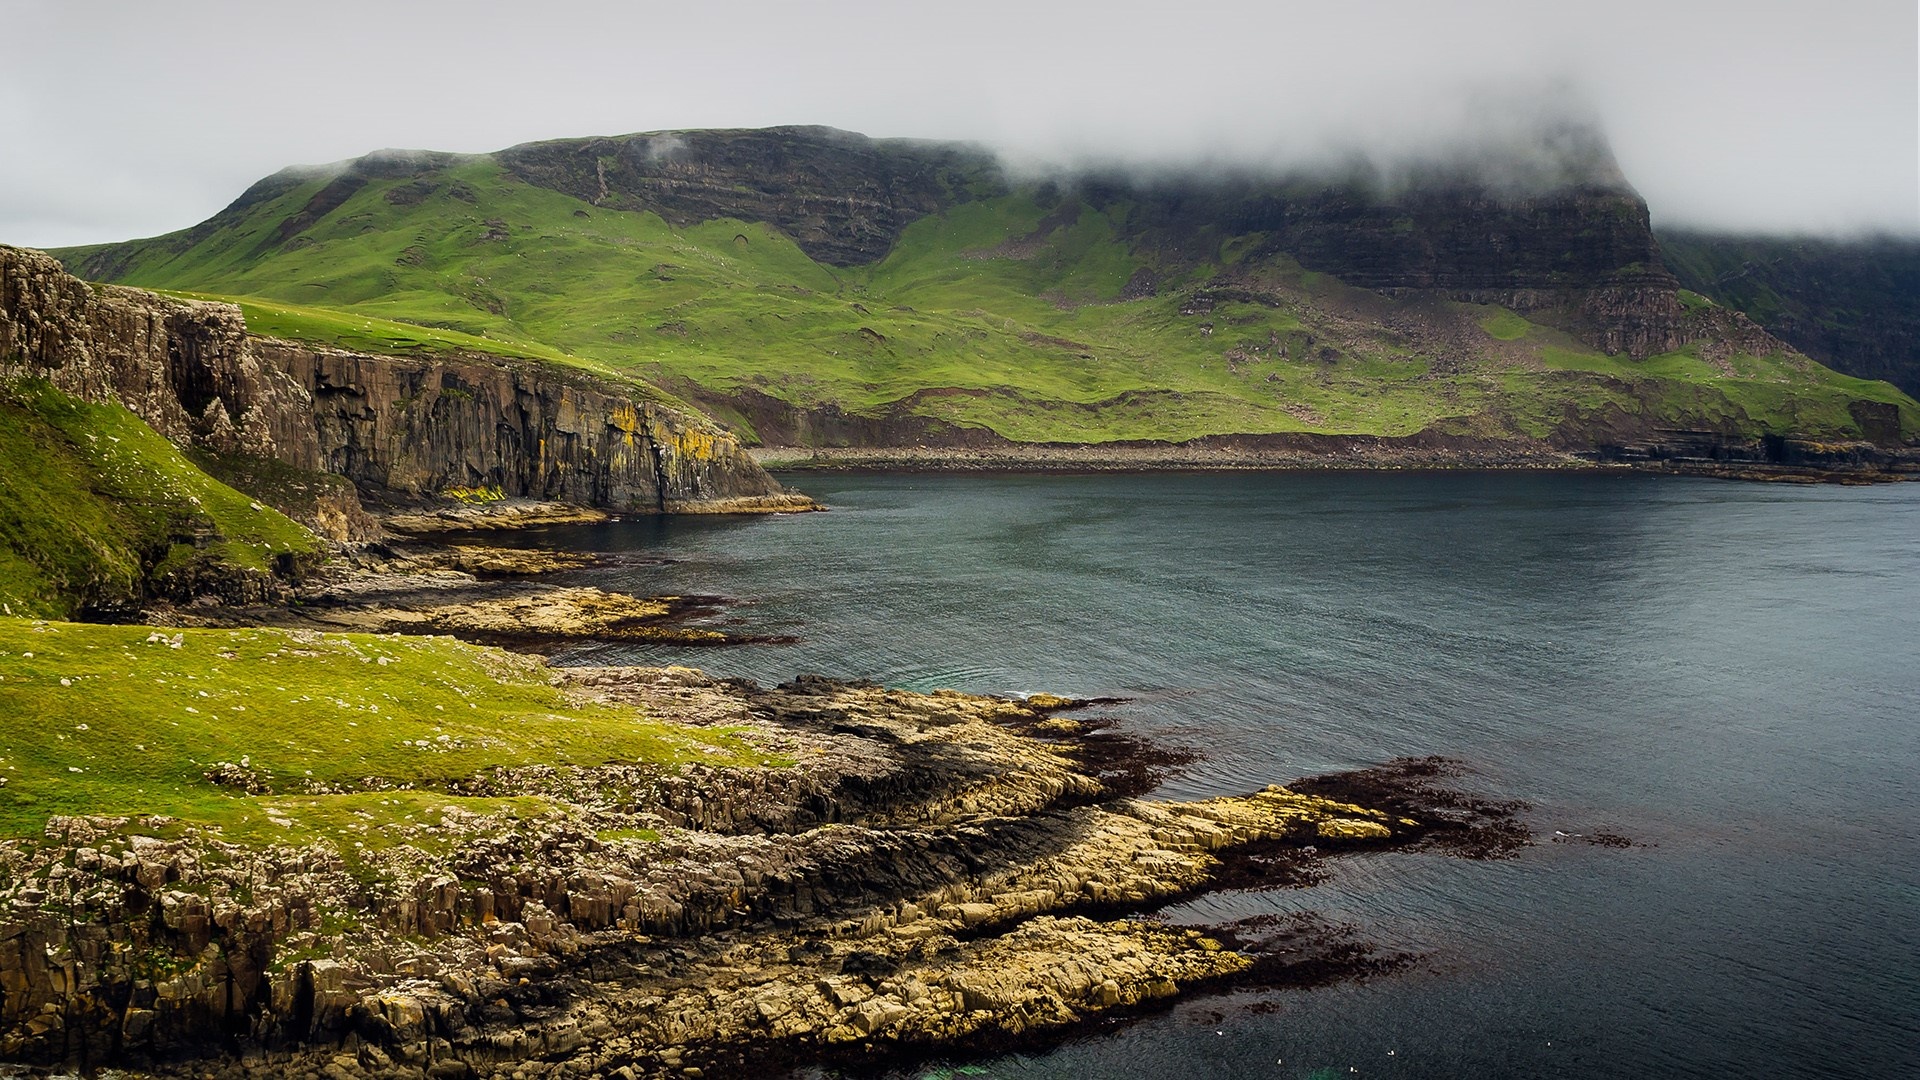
[[95, 506], [117, 720], [1504, 325]]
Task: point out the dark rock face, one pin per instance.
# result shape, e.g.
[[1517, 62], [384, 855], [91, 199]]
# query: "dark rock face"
[[1460, 237], [418, 426], [183, 367], [408, 427], [842, 197], [1582, 254], [1853, 305]]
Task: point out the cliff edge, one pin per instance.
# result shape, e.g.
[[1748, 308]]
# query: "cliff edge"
[[402, 429]]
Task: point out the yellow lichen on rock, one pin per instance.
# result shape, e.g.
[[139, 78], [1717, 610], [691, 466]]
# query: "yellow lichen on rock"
[[1047, 702], [626, 420], [694, 443], [1351, 829]]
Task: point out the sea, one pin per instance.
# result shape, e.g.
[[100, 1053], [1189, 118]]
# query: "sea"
[[1725, 674]]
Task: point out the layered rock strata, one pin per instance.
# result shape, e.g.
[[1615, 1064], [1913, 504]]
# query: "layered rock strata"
[[844, 198], [405, 427], [928, 871], [484, 594]]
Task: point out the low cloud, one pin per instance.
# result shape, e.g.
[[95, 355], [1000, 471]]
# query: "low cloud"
[[1777, 116]]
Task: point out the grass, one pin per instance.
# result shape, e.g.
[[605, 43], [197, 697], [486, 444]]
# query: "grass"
[[120, 720], [389, 337], [95, 506], [998, 313], [1504, 325]]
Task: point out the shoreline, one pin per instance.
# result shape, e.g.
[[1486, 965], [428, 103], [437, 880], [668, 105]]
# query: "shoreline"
[[1169, 458], [1042, 459], [906, 875]]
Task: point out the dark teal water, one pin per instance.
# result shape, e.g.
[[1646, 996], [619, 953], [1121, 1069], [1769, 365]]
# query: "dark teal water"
[[1727, 673]]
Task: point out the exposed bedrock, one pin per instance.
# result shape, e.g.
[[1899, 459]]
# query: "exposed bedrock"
[[907, 871], [416, 427], [404, 427], [844, 198], [184, 367]]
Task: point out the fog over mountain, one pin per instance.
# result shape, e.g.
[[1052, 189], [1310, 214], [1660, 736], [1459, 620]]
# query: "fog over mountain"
[[132, 120]]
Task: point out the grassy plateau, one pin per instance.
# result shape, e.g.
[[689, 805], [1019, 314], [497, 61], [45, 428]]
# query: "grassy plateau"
[[128, 720], [999, 312]]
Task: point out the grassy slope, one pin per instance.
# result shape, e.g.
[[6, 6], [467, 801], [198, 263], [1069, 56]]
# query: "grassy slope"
[[1849, 303], [117, 720], [93, 503], [1030, 339]]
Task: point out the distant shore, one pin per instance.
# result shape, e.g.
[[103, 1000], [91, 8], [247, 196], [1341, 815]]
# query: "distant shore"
[[1135, 457], [1363, 456]]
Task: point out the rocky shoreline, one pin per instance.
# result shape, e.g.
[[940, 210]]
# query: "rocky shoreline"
[[443, 569], [477, 592], [901, 875], [1792, 462], [906, 873]]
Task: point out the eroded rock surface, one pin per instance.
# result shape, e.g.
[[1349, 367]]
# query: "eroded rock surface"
[[475, 592], [906, 871], [409, 427]]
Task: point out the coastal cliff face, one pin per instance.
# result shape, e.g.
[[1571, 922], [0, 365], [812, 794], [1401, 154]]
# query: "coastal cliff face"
[[416, 427], [184, 367], [396, 427]]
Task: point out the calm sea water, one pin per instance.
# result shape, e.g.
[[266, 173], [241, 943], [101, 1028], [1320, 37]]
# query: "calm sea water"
[[1727, 673]]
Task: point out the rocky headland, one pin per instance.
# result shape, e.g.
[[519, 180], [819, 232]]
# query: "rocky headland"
[[902, 873], [816, 288], [401, 430]]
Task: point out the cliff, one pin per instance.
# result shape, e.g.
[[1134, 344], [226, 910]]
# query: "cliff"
[[186, 368], [400, 428], [417, 427], [844, 198], [1853, 305]]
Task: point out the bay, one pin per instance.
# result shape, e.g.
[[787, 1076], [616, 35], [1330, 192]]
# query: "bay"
[[1725, 673]]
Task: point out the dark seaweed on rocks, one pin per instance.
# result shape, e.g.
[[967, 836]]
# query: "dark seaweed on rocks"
[[1127, 765], [1270, 864], [1453, 821], [1304, 948]]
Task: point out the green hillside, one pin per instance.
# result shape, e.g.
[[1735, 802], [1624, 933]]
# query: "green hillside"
[[1037, 315], [1853, 304], [98, 511]]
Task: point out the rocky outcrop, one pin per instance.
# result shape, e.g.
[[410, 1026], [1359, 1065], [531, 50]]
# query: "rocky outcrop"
[[927, 871], [420, 426], [185, 367], [844, 198], [398, 427]]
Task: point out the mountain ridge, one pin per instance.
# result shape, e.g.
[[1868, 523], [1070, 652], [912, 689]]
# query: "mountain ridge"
[[1027, 309]]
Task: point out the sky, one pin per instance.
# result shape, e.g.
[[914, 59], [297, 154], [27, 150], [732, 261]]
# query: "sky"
[[132, 118]]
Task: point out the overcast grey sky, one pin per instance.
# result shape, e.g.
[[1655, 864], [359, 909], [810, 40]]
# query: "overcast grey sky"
[[134, 118]]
